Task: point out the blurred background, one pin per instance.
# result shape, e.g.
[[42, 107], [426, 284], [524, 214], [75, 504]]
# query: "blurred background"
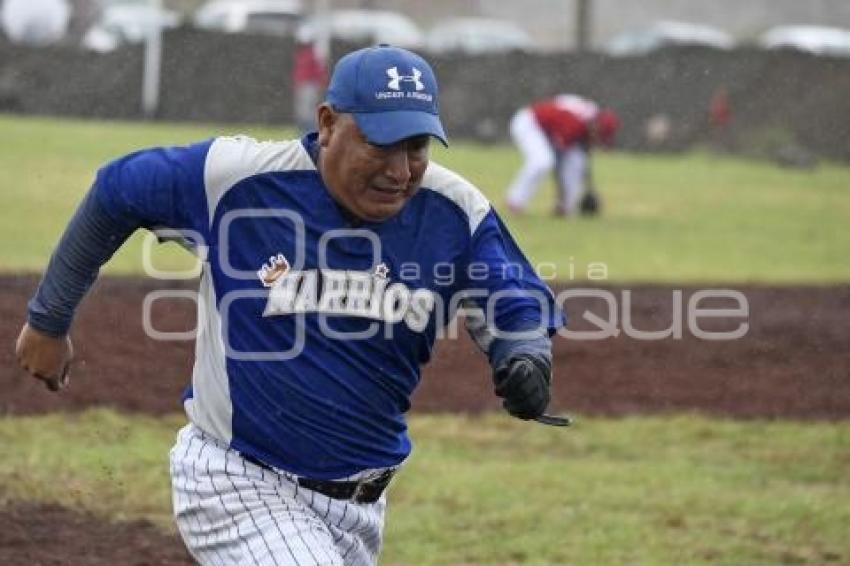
[[775, 72]]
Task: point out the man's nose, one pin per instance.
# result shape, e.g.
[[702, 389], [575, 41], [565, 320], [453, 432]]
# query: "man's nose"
[[398, 166]]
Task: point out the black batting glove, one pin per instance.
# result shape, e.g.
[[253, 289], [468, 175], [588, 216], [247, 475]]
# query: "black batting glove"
[[523, 383]]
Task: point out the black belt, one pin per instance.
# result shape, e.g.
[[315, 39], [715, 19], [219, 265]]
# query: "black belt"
[[367, 491]]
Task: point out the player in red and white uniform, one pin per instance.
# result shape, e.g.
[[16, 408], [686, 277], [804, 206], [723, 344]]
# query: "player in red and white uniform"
[[558, 131]]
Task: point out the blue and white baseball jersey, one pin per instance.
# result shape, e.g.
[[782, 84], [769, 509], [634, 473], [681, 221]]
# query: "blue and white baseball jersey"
[[313, 325]]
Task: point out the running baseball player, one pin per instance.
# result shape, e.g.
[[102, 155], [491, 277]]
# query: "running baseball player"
[[558, 133], [324, 286]]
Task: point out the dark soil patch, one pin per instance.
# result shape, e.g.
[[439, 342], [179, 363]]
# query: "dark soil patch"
[[49, 535], [793, 362]]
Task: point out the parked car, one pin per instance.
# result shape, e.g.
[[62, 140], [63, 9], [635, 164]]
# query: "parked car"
[[819, 40], [367, 26], [126, 22], [477, 35], [271, 17], [35, 22], [667, 34]]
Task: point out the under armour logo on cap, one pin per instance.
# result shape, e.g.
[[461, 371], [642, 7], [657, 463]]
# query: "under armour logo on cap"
[[396, 79], [390, 92]]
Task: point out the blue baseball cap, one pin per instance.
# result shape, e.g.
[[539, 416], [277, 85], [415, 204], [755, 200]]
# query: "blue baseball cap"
[[390, 92]]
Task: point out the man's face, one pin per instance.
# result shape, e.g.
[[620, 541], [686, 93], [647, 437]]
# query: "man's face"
[[372, 182]]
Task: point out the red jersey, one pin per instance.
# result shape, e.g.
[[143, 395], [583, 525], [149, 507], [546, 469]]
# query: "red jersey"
[[561, 125], [308, 68], [720, 111]]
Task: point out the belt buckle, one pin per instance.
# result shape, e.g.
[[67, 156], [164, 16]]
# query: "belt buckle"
[[358, 490]]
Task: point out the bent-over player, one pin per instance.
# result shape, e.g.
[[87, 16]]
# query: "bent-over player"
[[323, 290], [558, 133]]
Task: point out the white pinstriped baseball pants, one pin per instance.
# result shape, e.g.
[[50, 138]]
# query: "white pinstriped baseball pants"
[[232, 512]]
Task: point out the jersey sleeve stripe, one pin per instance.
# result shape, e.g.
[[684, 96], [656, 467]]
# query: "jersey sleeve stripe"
[[232, 159], [210, 407], [458, 190]]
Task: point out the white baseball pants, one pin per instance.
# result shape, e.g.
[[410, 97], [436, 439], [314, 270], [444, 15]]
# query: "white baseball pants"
[[539, 159], [538, 156], [230, 511]]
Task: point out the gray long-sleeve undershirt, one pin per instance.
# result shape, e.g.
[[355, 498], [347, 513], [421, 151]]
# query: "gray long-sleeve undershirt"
[[92, 236]]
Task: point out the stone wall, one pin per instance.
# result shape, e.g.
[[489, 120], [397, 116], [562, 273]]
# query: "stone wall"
[[776, 97]]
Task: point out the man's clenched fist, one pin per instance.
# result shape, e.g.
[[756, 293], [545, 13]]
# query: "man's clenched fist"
[[523, 383], [45, 357]]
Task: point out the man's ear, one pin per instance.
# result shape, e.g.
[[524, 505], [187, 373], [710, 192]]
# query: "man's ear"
[[326, 118]]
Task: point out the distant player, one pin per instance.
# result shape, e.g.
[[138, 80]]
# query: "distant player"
[[323, 289], [309, 78], [558, 133]]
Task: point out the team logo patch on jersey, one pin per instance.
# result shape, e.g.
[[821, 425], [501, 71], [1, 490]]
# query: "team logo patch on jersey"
[[364, 294], [276, 268]]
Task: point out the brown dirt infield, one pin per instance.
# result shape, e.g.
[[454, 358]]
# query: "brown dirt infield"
[[49, 535], [794, 362]]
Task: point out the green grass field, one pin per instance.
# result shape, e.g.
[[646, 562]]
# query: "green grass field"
[[676, 218], [491, 490]]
